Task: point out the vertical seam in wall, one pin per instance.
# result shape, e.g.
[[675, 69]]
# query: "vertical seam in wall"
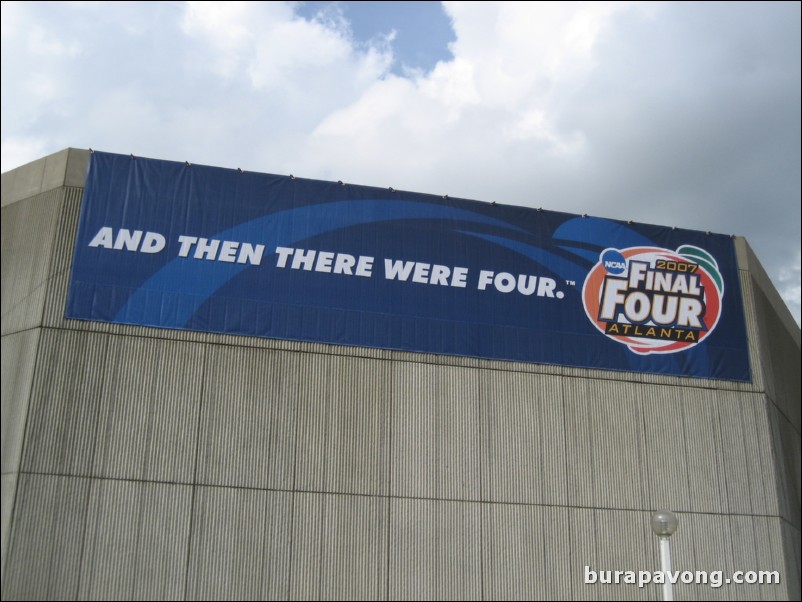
[[389, 475], [142, 490], [294, 492], [272, 362], [760, 417], [542, 434], [89, 487], [776, 459], [291, 536], [721, 469], [11, 521], [335, 398], [190, 534], [321, 522], [95, 480], [756, 365], [62, 193], [42, 179], [592, 442], [727, 512], [265, 524], [103, 365], [482, 506], [687, 455], [565, 482], [727, 508], [742, 408], [59, 232], [544, 478], [642, 447]]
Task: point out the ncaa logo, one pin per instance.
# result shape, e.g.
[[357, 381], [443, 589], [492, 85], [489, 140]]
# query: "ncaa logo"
[[614, 262], [654, 300]]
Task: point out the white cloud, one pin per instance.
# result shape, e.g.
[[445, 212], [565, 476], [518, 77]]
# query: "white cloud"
[[226, 28], [11, 19], [267, 45], [516, 48], [493, 104], [18, 151], [44, 43], [788, 281], [686, 115]]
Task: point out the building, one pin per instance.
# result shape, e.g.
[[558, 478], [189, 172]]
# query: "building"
[[158, 463]]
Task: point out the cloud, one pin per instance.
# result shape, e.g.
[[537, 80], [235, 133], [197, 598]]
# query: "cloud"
[[677, 114], [789, 282], [22, 150], [225, 26], [314, 62]]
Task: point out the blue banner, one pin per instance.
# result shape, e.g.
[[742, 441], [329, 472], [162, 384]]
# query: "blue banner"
[[174, 245]]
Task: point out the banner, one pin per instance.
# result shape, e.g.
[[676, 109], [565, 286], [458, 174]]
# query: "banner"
[[174, 245]]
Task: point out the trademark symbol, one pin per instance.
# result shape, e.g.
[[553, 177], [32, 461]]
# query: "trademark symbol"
[[570, 282]]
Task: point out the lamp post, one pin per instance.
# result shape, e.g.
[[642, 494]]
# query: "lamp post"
[[664, 523]]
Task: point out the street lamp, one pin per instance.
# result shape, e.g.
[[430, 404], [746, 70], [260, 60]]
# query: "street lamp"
[[664, 523]]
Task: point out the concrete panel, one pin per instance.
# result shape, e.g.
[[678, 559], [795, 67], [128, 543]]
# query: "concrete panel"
[[136, 541], [792, 560], [728, 544], [240, 545], [611, 540], [782, 358], [707, 481], [44, 555], [756, 352], [747, 260], [76, 167], [435, 550], [605, 443], [25, 182], [700, 544], [55, 168], [525, 552], [763, 475], [28, 232], [342, 441], [435, 432], [666, 446], [785, 449], [149, 410], [9, 491], [65, 405], [768, 550], [738, 466], [18, 362], [61, 266], [523, 438], [64, 168], [7, 187], [712, 450], [339, 547], [115, 407], [248, 420]]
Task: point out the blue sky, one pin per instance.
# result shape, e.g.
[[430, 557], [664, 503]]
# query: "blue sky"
[[683, 114], [421, 31]]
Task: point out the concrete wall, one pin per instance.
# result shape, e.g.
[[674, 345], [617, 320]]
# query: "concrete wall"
[[146, 463]]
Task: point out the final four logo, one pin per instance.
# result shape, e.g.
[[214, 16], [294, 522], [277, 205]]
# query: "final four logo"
[[654, 300]]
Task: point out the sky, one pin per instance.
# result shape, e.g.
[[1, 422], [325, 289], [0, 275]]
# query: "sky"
[[681, 114]]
